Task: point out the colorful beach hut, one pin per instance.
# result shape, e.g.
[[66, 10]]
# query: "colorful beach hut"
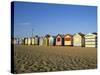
[[78, 39], [51, 40], [15, 41], [91, 40], [36, 40], [68, 40], [40, 41], [20, 41], [32, 41], [28, 41], [25, 41], [59, 40], [45, 41]]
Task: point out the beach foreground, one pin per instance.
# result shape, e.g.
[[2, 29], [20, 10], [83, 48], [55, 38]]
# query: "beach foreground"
[[29, 59]]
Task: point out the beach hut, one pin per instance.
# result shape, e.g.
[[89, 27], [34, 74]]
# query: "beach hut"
[[91, 40], [51, 40], [28, 41], [36, 40], [45, 41], [20, 41], [68, 40], [78, 39], [32, 41], [59, 40], [25, 41], [40, 41], [15, 41]]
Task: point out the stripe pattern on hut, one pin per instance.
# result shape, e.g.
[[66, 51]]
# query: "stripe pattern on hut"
[[91, 40]]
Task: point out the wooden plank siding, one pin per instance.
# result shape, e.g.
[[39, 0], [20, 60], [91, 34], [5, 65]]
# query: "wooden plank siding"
[[90, 40]]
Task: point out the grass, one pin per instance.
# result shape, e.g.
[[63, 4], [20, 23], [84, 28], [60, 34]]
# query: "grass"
[[53, 58]]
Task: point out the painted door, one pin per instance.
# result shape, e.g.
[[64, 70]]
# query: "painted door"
[[58, 40]]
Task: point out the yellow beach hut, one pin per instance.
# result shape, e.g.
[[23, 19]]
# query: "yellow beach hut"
[[68, 40]]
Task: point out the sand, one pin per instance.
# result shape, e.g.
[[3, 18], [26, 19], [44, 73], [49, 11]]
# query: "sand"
[[29, 59]]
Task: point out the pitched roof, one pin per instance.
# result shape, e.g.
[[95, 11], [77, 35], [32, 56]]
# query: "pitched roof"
[[94, 33], [67, 34], [81, 34], [60, 35]]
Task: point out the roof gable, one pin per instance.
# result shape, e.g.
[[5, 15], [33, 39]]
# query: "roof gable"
[[80, 34], [51, 37], [67, 35], [90, 34], [60, 35]]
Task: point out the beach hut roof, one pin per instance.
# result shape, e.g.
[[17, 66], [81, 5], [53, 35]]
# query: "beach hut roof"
[[47, 35], [52, 36], [41, 37], [32, 37], [94, 33], [36, 36], [60, 35], [81, 34], [67, 34]]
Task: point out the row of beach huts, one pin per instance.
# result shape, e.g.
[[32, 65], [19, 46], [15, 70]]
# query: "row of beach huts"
[[78, 39]]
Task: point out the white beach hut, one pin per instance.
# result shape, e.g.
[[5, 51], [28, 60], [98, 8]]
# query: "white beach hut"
[[51, 40], [15, 41], [40, 41], [36, 40], [91, 40], [20, 41]]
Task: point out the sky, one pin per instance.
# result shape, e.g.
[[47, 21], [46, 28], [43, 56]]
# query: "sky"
[[42, 18]]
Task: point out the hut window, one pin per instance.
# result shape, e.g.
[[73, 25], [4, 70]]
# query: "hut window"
[[58, 39], [67, 39]]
